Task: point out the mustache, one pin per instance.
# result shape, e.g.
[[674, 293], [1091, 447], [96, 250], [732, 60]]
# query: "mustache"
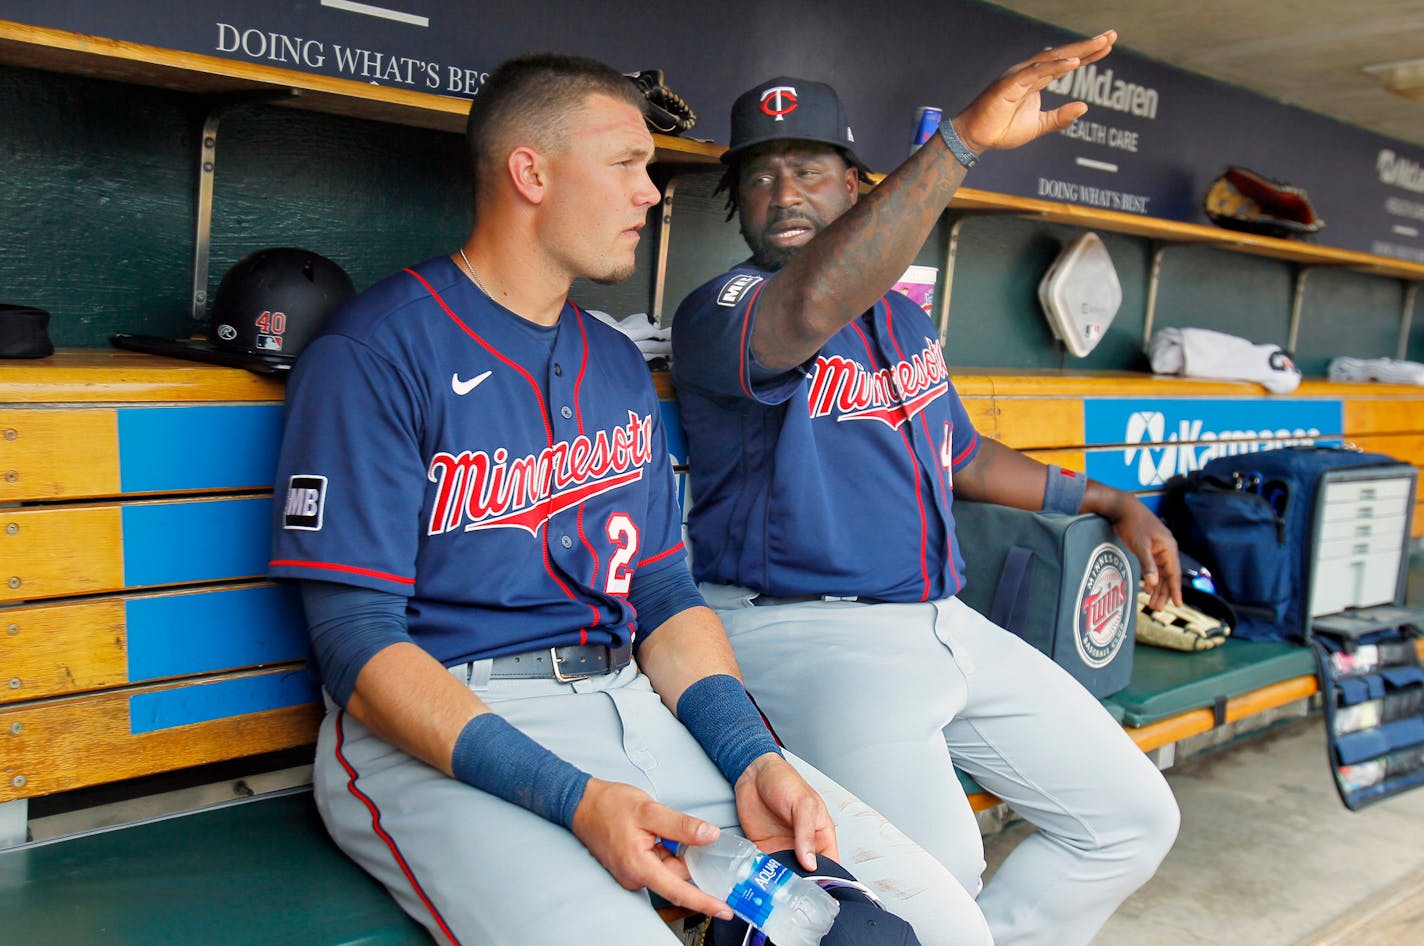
[[790, 216]]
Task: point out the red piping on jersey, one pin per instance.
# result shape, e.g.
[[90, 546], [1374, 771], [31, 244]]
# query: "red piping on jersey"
[[578, 416], [915, 470], [764, 721], [660, 556], [352, 569], [381, 831], [543, 410], [583, 366], [929, 439], [967, 450], [742, 368], [543, 414], [549, 567], [578, 522]]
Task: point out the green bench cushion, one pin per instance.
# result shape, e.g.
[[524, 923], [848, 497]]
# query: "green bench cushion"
[[262, 872], [1168, 682]]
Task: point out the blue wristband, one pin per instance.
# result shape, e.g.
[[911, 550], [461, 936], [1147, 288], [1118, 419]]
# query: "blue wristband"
[[1064, 491], [956, 145], [493, 756], [721, 717]]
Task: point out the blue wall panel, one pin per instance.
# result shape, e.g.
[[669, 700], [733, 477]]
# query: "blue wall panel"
[[174, 635], [167, 449], [172, 543], [149, 712]]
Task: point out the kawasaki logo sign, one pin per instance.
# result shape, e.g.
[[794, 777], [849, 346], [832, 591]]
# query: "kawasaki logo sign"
[[1164, 438]]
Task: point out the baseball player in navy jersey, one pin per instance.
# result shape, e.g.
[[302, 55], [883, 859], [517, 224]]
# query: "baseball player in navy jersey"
[[827, 444], [476, 499]]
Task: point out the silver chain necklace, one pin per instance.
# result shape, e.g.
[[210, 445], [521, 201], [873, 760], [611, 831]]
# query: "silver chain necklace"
[[471, 270]]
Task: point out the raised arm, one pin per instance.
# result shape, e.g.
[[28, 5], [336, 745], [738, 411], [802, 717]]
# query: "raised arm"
[[857, 258]]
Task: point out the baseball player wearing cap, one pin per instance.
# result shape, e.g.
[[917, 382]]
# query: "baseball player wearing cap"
[[827, 444], [475, 494]]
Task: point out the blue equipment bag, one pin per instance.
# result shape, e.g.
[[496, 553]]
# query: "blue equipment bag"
[[1311, 545], [1065, 584], [1252, 520], [1373, 691]]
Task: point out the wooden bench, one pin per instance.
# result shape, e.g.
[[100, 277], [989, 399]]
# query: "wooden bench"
[[140, 638], [1059, 417]]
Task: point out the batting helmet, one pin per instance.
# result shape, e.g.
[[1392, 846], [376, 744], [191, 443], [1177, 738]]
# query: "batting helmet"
[[267, 307], [271, 303]]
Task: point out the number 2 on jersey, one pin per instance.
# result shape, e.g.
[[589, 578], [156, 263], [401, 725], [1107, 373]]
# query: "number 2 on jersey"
[[946, 454], [623, 533]]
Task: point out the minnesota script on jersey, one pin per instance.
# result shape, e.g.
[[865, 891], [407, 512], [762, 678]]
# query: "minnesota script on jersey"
[[832, 446], [538, 476]]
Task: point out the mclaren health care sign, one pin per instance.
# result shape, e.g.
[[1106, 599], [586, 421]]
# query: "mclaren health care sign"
[[1154, 138]]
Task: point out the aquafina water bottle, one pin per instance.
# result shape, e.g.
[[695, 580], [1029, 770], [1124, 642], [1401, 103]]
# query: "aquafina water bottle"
[[788, 908]]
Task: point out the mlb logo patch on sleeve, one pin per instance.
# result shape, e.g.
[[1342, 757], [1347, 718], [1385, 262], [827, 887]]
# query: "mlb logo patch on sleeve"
[[306, 498], [736, 287]]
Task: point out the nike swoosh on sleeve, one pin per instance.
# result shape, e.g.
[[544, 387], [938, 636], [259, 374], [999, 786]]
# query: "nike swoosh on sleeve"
[[465, 387]]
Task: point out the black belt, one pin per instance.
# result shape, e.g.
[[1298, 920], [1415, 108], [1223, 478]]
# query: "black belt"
[[574, 662], [762, 601]]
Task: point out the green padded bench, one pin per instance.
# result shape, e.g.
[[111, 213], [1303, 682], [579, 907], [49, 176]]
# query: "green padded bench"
[[1167, 683], [260, 872]]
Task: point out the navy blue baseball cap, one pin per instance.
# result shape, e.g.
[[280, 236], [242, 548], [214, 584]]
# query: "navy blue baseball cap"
[[862, 920], [787, 108]]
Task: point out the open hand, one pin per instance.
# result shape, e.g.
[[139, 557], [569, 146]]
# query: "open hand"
[[621, 826], [1007, 114], [1155, 547], [779, 811]]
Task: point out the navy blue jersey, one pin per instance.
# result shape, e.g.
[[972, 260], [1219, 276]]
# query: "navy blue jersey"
[[435, 447], [834, 478]]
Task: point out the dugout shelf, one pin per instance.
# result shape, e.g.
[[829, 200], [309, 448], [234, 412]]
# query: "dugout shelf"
[[260, 871]]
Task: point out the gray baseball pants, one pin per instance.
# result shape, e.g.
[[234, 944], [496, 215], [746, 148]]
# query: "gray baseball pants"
[[475, 869], [887, 699]]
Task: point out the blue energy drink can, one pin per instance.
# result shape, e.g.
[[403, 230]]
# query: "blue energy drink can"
[[927, 119]]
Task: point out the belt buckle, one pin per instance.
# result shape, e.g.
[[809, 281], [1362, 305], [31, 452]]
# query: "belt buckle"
[[559, 675]]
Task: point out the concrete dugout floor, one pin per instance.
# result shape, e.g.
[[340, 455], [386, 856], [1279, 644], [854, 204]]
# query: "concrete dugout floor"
[[1267, 854]]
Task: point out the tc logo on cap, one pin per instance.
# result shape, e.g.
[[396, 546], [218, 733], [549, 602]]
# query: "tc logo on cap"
[[779, 101]]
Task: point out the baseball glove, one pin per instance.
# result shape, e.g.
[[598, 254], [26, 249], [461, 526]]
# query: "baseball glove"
[[1178, 627], [666, 112], [1241, 199]]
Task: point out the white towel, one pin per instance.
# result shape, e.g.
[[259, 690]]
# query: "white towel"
[[1387, 370], [652, 341], [1202, 353]]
